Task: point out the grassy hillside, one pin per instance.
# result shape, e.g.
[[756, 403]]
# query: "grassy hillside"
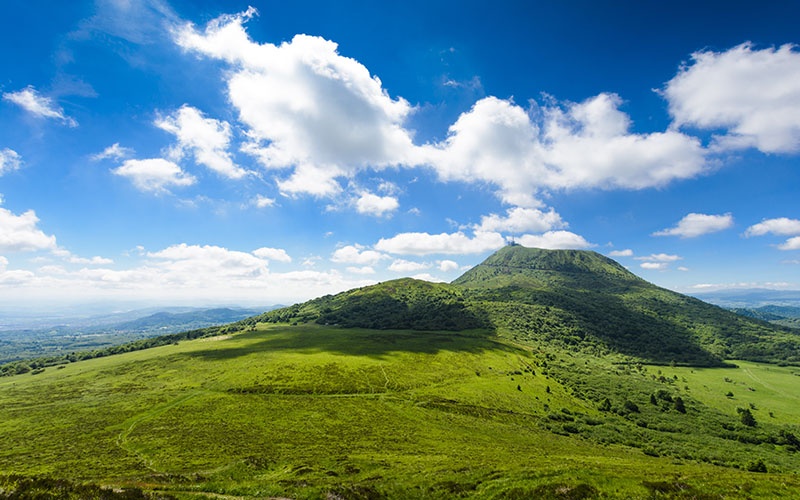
[[400, 304], [323, 412], [577, 299], [537, 374]]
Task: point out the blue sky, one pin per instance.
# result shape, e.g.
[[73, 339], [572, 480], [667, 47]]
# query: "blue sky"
[[211, 152]]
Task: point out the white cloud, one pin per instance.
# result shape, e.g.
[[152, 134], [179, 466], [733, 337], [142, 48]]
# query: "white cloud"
[[659, 261], [407, 266], [579, 145], [181, 273], [791, 244], [38, 105], [694, 225], [660, 257], [621, 253], [313, 180], [206, 138], [114, 152], [154, 174], [306, 106], [781, 226], [428, 277], [141, 22], [9, 161], [754, 94], [361, 270], [372, 204], [444, 243], [263, 201], [519, 220], [187, 264], [554, 240], [356, 254], [19, 233], [320, 117], [447, 265], [93, 261], [277, 254], [683, 269]]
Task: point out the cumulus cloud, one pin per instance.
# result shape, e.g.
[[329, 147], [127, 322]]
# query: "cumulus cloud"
[[38, 105], [9, 161], [206, 138], [781, 226], [694, 225], [577, 145], [19, 233], [113, 152], [407, 266], [753, 94], [361, 270], [378, 206], [305, 106], [447, 265], [182, 272], [790, 244], [659, 261], [555, 240], [261, 201], [444, 243], [276, 254], [428, 277], [316, 116], [519, 220], [621, 253], [185, 264], [356, 254], [155, 175]]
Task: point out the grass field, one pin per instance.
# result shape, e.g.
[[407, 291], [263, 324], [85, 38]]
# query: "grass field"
[[770, 389], [310, 412]]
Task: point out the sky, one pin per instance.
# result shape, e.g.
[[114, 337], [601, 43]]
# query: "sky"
[[233, 152]]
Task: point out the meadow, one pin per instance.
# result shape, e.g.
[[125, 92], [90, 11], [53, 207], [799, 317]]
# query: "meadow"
[[308, 411]]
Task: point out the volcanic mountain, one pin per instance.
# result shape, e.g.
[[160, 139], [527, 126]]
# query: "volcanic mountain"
[[574, 298]]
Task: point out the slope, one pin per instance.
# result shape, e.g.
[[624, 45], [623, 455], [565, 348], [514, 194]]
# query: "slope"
[[583, 299], [321, 412], [398, 304], [574, 299]]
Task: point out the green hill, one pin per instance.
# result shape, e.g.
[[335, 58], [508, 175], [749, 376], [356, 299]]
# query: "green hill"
[[788, 316], [528, 377], [577, 299], [398, 304]]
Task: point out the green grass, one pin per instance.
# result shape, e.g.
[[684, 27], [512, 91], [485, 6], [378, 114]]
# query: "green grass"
[[304, 411], [768, 388]]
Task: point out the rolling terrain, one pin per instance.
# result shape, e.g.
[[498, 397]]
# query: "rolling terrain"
[[537, 374], [99, 332]]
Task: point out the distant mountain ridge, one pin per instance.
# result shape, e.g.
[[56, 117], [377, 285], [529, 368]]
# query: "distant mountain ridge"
[[779, 315], [103, 331], [574, 298]]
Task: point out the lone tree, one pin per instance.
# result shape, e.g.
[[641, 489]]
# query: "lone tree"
[[747, 417], [679, 405]]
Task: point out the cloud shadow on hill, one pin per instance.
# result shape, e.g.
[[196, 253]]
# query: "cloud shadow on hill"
[[351, 341]]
